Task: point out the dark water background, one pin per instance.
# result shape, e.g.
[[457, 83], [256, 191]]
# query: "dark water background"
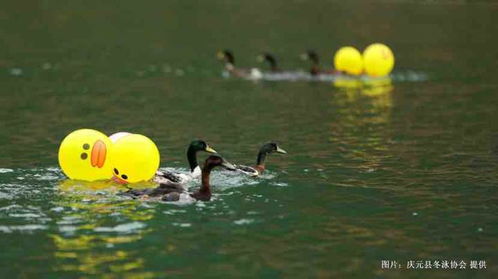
[[403, 173]]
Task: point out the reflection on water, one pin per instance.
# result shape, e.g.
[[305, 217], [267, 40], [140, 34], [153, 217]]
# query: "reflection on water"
[[86, 240], [365, 106]]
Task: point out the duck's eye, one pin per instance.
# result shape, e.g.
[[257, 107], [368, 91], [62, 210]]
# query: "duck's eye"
[[124, 176], [116, 171], [86, 146], [83, 156]]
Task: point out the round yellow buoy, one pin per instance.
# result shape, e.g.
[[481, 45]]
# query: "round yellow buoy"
[[378, 60], [84, 155], [348, 59], [135, 159]]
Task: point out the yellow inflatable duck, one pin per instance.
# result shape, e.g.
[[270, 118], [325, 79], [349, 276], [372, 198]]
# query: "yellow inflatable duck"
[[135, 159], [84, 155]]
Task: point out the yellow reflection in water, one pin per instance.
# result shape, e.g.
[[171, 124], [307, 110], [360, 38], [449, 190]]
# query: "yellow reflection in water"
[[94, 223], [368, 86], [377, 87], [365, 107]]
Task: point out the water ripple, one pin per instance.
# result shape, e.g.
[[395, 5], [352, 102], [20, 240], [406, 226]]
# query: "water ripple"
[[122, 228]]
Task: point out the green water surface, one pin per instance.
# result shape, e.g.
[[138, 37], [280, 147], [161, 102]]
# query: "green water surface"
[[404, 172]]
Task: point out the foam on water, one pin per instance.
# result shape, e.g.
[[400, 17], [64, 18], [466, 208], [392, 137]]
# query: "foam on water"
[[122, 228], [76, 206], [22, 185], [68, 229], [70, 220], [222, 179], [5, 196], [279, 184], [295, 76], [22, 228], [174, 211], [182, 225], [243, 221]]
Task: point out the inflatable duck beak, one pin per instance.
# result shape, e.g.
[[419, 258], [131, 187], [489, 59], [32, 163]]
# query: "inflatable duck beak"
[[210, 150], [280, 150], [99, 152]]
